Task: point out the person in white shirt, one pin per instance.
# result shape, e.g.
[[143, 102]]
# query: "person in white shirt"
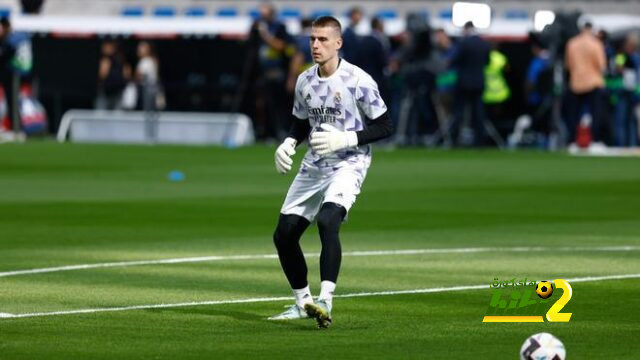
[[147, 76], [338, 107]]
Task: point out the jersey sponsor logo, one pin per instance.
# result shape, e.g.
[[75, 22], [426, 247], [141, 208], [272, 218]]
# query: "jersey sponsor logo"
[[325, 114]]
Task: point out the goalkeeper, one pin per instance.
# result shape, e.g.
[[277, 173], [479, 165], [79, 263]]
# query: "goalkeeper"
[[337, 107]]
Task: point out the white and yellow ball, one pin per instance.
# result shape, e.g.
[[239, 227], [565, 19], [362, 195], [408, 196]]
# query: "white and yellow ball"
[[544, 289]]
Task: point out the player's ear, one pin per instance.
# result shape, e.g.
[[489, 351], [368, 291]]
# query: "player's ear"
[[339, 42]]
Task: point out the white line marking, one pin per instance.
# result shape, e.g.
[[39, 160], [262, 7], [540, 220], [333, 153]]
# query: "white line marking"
[[288, 298], [6, 315], [274, 256]]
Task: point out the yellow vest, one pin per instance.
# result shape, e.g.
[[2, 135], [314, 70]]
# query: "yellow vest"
[[496, 89]]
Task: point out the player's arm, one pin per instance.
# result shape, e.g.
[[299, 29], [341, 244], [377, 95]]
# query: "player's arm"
[[300, 129], [331, 139], [377, 129]]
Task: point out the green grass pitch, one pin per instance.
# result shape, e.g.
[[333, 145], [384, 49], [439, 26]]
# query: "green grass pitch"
[[85, 204]]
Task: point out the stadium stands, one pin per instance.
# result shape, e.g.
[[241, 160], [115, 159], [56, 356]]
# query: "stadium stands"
[[505, 8], [132, 11], [164, 11], [195, 11]]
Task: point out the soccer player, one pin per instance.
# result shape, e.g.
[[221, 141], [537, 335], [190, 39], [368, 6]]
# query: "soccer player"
[[337, 106]]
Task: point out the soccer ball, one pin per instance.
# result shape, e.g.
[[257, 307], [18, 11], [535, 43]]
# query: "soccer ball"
[[542, 346], [544, 289]]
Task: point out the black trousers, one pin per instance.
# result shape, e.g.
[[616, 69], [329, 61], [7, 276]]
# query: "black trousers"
[[576, 104], [471, 99]]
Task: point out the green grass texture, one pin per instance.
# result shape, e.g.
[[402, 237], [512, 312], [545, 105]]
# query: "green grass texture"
[[69, 204]]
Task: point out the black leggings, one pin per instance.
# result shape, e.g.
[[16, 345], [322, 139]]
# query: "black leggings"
[[287, 241]]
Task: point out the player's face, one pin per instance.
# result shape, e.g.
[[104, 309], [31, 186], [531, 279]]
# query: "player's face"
[[325, 43]]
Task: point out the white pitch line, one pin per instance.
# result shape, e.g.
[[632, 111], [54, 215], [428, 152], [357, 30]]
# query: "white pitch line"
[[288, 298], [274, 256]]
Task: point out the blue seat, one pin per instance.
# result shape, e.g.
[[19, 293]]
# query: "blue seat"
[[5, 12], [132, 11], [321, 12], [164, 11], [195, 11], [254, 13], [386, 14], [227, 12], [290, 13], [446, 14], [516, 14]]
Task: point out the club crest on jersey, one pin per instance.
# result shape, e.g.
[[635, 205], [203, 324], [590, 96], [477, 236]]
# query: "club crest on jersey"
[[307, 98], [337, 99]]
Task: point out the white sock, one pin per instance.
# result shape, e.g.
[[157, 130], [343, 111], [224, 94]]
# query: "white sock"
[[326, 292], [303, 296]]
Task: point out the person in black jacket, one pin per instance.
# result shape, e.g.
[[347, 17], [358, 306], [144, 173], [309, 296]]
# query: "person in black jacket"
[[7, 52], [469, 60], [273, 48], [113, 75], [351, 47], [374, 55]]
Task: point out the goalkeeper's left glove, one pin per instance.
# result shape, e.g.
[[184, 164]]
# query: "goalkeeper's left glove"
[[332, 139]]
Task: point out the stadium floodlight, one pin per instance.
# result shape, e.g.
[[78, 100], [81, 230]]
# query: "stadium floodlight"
[[478, 13], [543, 18]]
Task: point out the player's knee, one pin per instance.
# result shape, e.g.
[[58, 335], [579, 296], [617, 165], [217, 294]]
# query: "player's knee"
[[330, 217], [281, 236], [287, 229]]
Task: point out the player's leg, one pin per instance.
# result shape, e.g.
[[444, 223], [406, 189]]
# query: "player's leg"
[[459, 107], [300, 206], [287, 241], [339, 197], [329, 220]]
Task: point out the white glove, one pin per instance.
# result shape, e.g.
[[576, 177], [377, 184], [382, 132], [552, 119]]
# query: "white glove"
[[283, 155], [332, 139]]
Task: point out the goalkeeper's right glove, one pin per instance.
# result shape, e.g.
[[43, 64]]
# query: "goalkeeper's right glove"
[[283, 155]]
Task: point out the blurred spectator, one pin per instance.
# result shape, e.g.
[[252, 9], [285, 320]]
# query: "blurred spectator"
[[302, 59], [350, 40], [627, 65], [113, 75], [374, 56], [273, 50], [148, 79], [31, 6], [377, 31], [470, 58], [606, 41], [446, 78], [496, 90], [417, 65], [539, 90], [586, 63], [7, 52], [396, 80]]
